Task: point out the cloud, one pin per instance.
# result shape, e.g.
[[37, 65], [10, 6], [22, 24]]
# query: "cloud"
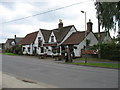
[[70, 16]]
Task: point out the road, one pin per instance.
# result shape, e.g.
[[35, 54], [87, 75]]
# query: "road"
[[59, 75]]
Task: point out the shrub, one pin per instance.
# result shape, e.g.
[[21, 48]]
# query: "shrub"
[[109, 50]]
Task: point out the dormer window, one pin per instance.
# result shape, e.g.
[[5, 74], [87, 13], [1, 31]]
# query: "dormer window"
[[39, 42], [12, 43], [39, 38], [52, 38]]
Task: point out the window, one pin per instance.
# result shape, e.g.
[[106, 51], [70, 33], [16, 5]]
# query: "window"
[[23, 49], [28, 49], [39, 41], [42, 50], [12, 43], [39, 38], [52, 38]]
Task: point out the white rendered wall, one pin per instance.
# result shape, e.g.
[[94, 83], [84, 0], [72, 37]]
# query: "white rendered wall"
[[92, 39]]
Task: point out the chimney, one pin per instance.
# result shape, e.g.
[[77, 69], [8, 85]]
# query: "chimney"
[[60, 25], [89, 26], [14, 36]]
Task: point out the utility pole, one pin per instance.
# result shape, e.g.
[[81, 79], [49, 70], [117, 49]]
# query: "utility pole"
[[85, 37]]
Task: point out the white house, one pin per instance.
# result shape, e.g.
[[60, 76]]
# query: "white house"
[[28, 43], [77, 40], [55, 41], [47, 41]]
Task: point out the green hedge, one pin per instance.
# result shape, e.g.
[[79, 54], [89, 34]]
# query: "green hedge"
[[109, 51]]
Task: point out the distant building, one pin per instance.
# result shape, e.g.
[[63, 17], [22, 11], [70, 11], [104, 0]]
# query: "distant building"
[[2, 48], [10, 42]]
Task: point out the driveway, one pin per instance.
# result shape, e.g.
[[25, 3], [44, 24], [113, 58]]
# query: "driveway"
[[59, 75]]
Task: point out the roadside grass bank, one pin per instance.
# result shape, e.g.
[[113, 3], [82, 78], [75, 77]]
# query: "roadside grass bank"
[[93, 59], [12, 54], [105, 65]]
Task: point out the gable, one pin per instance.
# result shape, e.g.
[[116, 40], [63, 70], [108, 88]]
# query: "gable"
[[104, 36], [54, 37], [92, 38], [61, 33]]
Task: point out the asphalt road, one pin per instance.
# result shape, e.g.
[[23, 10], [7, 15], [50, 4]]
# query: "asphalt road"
[[59, 75]]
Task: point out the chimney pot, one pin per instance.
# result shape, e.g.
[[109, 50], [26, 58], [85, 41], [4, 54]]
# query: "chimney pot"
[[15, 36], [60, 25]]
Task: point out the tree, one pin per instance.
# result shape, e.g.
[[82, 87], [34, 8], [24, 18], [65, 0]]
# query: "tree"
[[109, 14]]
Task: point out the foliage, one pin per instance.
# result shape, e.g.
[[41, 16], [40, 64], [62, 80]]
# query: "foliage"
[[109, 50], [63, 51], [109, 14], [18, 49], [54, 51]]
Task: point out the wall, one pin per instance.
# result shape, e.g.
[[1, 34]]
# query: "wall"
[[26, 49], [92, 39], [36, 42], [52, 34]]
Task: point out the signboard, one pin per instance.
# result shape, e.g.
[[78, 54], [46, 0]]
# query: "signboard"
[[89, 52], [50, 44]]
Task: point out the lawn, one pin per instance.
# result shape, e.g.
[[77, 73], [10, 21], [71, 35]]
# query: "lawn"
[[12, 54], [91, 59], [107, 65]]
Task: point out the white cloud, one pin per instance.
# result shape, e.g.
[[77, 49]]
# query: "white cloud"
[[71, 16]]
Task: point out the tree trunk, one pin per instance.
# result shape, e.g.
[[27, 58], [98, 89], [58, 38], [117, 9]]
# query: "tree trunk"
[[99, 36], [68, 57]]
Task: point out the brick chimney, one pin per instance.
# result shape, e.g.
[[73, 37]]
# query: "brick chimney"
[[89, 26], [60, 25]]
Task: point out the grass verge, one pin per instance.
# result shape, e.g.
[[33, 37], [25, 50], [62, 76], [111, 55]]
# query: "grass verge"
[[92, 59], [12, 54], [106, 65]]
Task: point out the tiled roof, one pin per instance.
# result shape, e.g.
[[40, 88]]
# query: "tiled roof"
[[46, 34], [60, 33], [18, 39], [103, 35], [9, 40], [29, 38], [75, 38]]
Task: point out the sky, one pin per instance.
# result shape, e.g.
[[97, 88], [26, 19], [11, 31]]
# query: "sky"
[[15, 9]]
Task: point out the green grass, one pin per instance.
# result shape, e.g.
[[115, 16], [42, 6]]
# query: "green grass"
[[92, 59], [107, 65], [12, 54]]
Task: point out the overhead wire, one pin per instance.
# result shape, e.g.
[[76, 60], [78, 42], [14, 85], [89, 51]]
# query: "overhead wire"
[[42, 13]]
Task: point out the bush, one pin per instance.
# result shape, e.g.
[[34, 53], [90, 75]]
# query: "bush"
[[109, 50], [17, 49]]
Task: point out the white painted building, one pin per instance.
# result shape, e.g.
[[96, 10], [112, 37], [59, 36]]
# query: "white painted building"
[[54, 42]]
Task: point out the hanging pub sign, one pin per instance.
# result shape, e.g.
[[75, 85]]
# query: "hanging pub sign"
[[39, 43]]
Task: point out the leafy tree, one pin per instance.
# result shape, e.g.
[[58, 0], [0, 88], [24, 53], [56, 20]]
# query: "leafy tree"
[[109, 14]]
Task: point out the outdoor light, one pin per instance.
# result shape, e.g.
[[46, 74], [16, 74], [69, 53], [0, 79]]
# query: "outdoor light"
[[82, 11], [85, 34]]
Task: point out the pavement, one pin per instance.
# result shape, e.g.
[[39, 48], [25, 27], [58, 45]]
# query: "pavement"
[[14, 82]]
